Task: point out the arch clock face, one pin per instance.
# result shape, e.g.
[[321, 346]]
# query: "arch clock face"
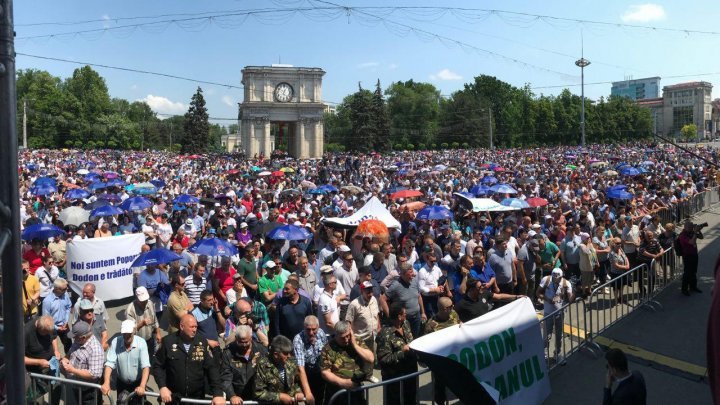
[[283, 92]]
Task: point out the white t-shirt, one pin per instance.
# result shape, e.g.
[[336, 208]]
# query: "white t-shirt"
[[231, 295], [553, 290], [327, 304]]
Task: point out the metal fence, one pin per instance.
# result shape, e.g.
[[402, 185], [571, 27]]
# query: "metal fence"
[[42, 385], [128, 400], [345, 396]]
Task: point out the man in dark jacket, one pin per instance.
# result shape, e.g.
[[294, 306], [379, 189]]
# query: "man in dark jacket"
[[630, 389], [237, 370], [182, 363]]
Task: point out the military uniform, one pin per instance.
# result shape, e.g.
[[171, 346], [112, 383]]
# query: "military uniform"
[[269, 382], [184, 371], [433, 325], [394, 362], [238, 373], [344, 362]]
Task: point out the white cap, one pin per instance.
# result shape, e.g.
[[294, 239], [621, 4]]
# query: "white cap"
[[531, 234], [368, 260], [270, 264], [243, 225], [127, 326], [141, 293], [557, 272], [344, 248]]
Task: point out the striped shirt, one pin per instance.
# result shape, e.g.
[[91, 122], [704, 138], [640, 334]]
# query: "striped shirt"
[[308, 355], [193, 290]]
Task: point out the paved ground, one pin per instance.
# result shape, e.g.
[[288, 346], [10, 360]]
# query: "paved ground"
[[667, 346]]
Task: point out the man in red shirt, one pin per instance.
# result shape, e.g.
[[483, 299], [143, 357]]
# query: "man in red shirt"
[[35, 255]]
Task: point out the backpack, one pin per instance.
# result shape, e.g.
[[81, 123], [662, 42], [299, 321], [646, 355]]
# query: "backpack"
[[677, 246]]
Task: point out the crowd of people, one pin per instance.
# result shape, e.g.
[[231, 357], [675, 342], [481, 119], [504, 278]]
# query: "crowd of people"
[[296, 321]]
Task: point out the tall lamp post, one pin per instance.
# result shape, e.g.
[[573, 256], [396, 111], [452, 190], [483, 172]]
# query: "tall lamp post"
[[582, 62]]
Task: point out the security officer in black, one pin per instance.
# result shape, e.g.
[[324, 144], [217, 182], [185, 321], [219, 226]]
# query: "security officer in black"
[[183, 363]]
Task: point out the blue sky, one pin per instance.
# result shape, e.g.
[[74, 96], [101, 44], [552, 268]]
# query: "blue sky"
[[367, 44]]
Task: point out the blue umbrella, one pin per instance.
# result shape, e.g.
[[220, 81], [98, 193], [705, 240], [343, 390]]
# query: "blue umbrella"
[[41, 231], [466, 194], [480, 189], [213, 247], [432, 212], [92, 176], [115, 183], [43, 189], [503, 189], [45, 180], [144, 190], [317, 191], [110, 175], [97, 204], [136, 204], [629, 171], [77, 193], [158, 183], [97, 185], [621, 165], [31, 166], [489, 180], [620, 194], [113, 198], [393, 190], [186, 199], [515, 203], [105, 210], [617, 187], [329, 188], [289, 232], [156, 256]]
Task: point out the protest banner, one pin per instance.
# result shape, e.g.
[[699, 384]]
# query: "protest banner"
[[104, 262], [503, 349]]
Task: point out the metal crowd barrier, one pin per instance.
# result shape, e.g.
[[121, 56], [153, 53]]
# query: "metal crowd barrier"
[[667, 268], [365, 389], [48, 385], [563, 332], [133, 395]]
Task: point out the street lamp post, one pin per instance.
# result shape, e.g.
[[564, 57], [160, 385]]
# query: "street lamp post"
[[582, 62]]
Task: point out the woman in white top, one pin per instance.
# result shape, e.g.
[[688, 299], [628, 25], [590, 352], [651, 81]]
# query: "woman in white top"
[[47, 274]]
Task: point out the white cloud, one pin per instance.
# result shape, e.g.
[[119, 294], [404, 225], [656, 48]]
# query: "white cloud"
[[134, 87], [642, 13], [163, 105], [368, 65], [228, 101], [106, 21], [392, 66], [445, 74]]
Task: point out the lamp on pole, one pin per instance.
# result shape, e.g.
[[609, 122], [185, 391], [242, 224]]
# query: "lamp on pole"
[[582, 62]]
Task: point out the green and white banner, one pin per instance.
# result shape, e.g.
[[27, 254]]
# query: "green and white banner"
[[496, 358]]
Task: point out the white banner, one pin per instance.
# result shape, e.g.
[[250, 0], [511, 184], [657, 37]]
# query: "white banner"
[[503, 348], [104, 262]]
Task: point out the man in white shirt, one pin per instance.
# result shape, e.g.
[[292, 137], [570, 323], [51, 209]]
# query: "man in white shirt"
[[328, 311], [430, 283]]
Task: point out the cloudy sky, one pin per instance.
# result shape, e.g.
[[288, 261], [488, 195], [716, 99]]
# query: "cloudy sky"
[[446, 43]]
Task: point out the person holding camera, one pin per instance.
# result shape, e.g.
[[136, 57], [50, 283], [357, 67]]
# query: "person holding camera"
[[688, 245]]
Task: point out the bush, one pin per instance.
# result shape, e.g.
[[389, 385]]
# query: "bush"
[[421, 146], [444, 145], [433, 146], [398, 146], [455, 145], [334, 147], [465, 145], [410, 146]]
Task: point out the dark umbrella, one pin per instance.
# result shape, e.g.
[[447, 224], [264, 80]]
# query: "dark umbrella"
[[41, 231], [156, 256], [213, 247]]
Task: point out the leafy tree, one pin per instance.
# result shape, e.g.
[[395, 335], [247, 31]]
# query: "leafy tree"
[[362, 120], [414, 110], [196, 128], [47, 119], [689, 132]]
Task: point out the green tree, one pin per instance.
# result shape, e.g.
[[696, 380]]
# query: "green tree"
[[215, 138], [381, 141], [89, 100], [42, 96], [689, 132], [361, 120], [196, 128], [414, 110]]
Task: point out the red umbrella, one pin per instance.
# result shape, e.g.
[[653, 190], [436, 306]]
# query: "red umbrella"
[[537, 202], [232, 171], [278, 173], [373, 228], [405, 194]]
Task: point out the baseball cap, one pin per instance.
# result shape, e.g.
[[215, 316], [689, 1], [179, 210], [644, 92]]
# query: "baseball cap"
[[344, 248], [270, 264], [557, 273], [127, 326], [531, 234], [243, 225], [81, 328], [141, 293], [237, 276], [584, 236], [85, 305], [326, 269], [366, 285]]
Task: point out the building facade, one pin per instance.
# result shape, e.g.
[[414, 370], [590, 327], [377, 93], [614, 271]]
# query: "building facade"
[[682, 104], [282, 109], [637, 89]]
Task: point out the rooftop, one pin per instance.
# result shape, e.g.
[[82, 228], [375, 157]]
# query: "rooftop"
[[687, 85]]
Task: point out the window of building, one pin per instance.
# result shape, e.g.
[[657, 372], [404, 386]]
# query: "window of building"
[[681, 116]]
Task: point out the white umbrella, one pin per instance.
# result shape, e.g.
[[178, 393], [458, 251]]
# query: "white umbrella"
[[74, 216], [264, 173], [83, 171]]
